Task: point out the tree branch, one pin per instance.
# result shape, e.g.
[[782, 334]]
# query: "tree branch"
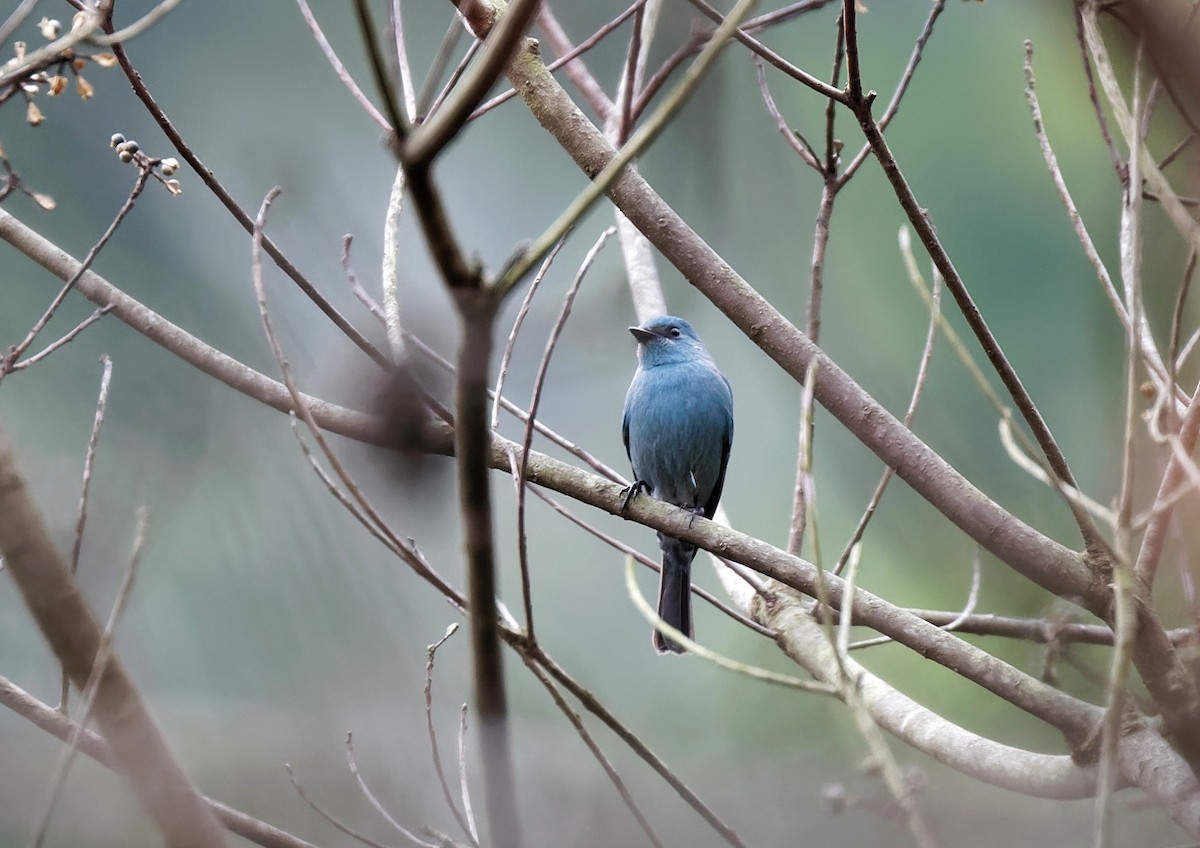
[[138, 746]]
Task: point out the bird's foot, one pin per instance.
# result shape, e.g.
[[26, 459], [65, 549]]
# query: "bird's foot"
[[694, 510], [637, 488]]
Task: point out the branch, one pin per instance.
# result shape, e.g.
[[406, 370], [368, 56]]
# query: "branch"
[[430, 138], [44, 580], [91, 743], [239, 214], [860, 105], [1037, 557]]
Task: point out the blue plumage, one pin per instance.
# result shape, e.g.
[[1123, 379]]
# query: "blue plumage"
[[678, 429]]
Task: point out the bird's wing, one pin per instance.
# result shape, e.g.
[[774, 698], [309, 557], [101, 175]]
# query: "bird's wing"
[[625, 433], [710, 506]]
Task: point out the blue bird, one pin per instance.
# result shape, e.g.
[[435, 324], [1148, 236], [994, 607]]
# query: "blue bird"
[[678, 430]]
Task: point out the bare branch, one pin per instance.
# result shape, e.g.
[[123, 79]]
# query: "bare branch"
[[427, 140], [239, 214], [15, 353], [62, 767], [44, 580], [352, 761], [338, 68], [56, 724], [430, 652], [329, 817], [64, 340], [89, 460], [511, 342], [137, 27], [592, 746]]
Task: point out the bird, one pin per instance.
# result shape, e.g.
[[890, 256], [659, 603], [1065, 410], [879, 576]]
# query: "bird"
[[678, 431]]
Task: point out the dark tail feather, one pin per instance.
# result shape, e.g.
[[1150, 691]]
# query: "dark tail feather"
[[674, 592]]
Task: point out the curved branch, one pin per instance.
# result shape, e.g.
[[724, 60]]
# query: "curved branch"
[[1040, 775]]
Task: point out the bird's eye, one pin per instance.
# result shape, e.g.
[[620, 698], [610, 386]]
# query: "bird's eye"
[[675, 333]]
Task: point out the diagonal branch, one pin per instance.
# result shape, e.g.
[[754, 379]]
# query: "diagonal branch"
[[165, 792], [1037, 557], [860, 104], [55, 723]]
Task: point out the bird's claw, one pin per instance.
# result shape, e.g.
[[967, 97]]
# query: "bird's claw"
[[694, 510], [637, 488]]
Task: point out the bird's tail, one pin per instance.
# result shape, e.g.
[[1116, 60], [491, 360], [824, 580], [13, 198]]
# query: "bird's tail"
[[674, 592]]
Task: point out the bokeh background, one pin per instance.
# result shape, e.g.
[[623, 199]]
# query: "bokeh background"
[[265, 624]]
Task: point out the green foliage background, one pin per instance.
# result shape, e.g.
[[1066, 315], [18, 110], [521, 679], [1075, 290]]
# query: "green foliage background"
[[265, 623]]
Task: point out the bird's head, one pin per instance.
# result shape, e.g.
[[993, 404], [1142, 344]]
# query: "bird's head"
[[667, 339]]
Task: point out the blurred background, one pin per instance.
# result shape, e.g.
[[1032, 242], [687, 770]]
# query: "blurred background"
[[265, 624]]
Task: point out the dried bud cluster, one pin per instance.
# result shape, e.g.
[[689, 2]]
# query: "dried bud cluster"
[[51, 73], [129, 150]]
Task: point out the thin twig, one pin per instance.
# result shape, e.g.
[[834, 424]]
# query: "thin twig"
[[794, 140], [16, 352], [430, 652], [89, 460], [15, 19], [1149, 349], [329, 817], [627, 89], [804, 500], [960, 618], [137, 27], [455, 76], [645, 134], [770, 55], [1117, 162], [652, 564], [91, 690], [239, 214], [511, 342], [402, 65], [1124, 614], [696, 649], [441, 60], [535, 400], [352, 763], [576, 70], [391, 264], [658, 79], [64, 340], [935, 320], [464, 788], [341, 497], [893, 106], [340, 69], [592, 746], [356, 288]]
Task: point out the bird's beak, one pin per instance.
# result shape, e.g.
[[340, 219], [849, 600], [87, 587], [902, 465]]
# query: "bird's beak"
[[641, 335]]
